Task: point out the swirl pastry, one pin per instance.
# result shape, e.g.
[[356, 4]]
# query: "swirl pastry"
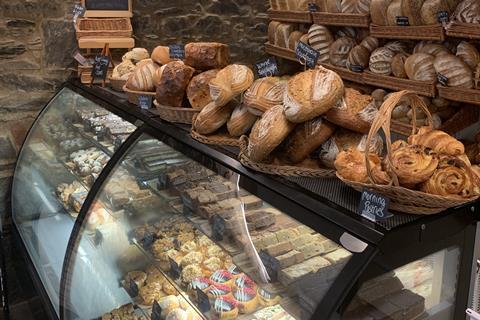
[[225, 308], [267, 299], [222, 277], [246, 299], [244, 281], [218, 290], [350, 164], [438, 141]]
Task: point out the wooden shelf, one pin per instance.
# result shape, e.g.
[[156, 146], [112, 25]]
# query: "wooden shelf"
[[346, 74], [341, 19], [460, 94], [419, 87], [290, 16], [280, 52], [463, 30], [433, 32]]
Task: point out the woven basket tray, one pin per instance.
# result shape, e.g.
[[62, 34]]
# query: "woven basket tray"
[[290, 16], [221, 138], [174, 114], [402, 199], [85, 74], [133, 95], [341, 19], [345, 73], [285, 171], [460, 94], [419, 87], [104, 27], [280, 52], [432, 32], [117, 84], [463, 30]]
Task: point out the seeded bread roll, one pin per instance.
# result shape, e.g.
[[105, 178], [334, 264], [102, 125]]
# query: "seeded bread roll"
[[398, 65], [455, 70], [320, 38], [213, 117], [469, 54], [207, 55], [412, 9], [339, 51], [381, 61], [272, 30], [378, 12], [419, 66], [198, 90], [394, 10], [371, 43], [431, 9], [358, 58]]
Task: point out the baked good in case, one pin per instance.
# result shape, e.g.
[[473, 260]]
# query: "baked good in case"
[[207, 55], [455, 70], [350, 165], [469, 54], [378, 11], [191, 272], [222, 277], [398, 65], [225, 308], [419, 66], [358, 58], [150, 292], [218, 290], [268, 132], [174, 81], [264, 94], [212, 117], [312, 93], [412, 9], [241, 121], [267, 299], [431, 9], [381, 61], [244, 281], [320, 38], [198, 90], [139, 277], [161, 55], [247, 300], [438, 141], [142, 77], [306, 138], [339, 51]]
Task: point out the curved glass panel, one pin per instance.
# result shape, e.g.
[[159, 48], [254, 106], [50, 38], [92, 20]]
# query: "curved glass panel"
[[65, 151]]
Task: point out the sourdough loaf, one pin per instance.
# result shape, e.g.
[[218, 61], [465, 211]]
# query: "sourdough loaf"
[[241, 121], [419, 66], [198, 90], [469, 54], [455, 70], [339, 51], [320, 38], [213, 117], [378, 11], [207, 55], [381, 61], [174, 81], [398, 65]]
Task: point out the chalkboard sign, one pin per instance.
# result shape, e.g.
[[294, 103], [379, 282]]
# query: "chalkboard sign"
[[402, 21], [100, 67], [267, 68], [175, 270], [98, 239], [271, 264], [203, 302], [307, 55], [312, 7], [442, 79], [443, 16], [132, 289], [177, 51], [374, 206], [177, 244], [148, 239], [108, 5], [145, 102], [356, 68], [218, 227], [156, 311]]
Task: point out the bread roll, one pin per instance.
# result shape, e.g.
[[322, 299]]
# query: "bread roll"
[[207, 55], [267, 133], [264, 94], [229, 82], [455, 70], [213, 117], [358, 57], [135, 55], [161, 55], [371, 43], [312, 93], [381, 61], [282, 33], [398, 65], [348, 6], [241, 121], [306, 138], [339, 51], [174, 81], [362, 6], [198, 90], [468, 11], [333, 6], [431, 9], [272, 31], [320, 39], [293, 39], [412, 9], [438, 141], [142, 77], [433, 49], [394, 10], [378, 11], [419, 66], [469, 54]]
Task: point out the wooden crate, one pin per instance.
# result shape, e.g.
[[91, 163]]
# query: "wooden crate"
[[463, 30], [433, 32], [460, 94], [290, 16], [341, 19], [106, 27], [280, 52], [397, 84]]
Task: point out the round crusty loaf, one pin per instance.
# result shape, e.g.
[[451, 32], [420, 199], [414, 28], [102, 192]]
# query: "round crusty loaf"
[[213, 117], [198, 90], [241, 121], [264, 94], [378, 11], [433, 49], [412, 9], [381, 61], [358, 58], [267, 133], [419, 66], [430, 10], [371, 43], [161, 55], [468, 11], [469, 54], [333, 6], [398, 65], [311, 93], [320, 38], [339, 51], [348, 6], [394, 10], [175, 79], [455, 70], [362, 6], [293, 39]]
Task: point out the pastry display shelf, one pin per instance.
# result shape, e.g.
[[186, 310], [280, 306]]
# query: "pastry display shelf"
[[290, 16], [429, 32], [463, 30], [341, 19]]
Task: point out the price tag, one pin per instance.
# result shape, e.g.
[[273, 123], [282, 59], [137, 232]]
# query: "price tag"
[[402, 21], [98, 239], [374, 206], [177, 51], [312, 7], [356, 68], [218, 227], [78, 11], [267, 68], [203, 301], [175, 270], [177, 244], [271, 264], [148, 240], [442, 79], [100, 67], [307, 55], [156, 311], [133, 289], [145, 102], [443, 16], [80, 58]]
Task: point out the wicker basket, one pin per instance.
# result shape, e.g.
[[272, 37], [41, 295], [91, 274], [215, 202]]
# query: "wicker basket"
[[431, 32], [104, 27], [402, 199], [221, 138], [290, 16], [85, 74], [117, 84], [460, 94], [345, 73], [133, 95], [285, 171], [341, 19], [175, 114], [419, 87], [280, 52], [463, 30]]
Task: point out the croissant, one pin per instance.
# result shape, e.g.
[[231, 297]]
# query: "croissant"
[[438, 141], [229, 82], [350, 165], [412, 164]]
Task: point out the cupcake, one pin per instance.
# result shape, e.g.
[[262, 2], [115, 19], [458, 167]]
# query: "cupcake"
[[218, 290], [225, 308], [233, 269], [247, 300], [222, 277], [244, 281]]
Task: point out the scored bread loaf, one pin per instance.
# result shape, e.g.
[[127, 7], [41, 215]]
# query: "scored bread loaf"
[[419, 66], [272, 31], [282, 33], [229, 82], [394, 10], [274, 4], [412, 9], [371, 43], [455, 70], [348, 6], [306, 138], [299, 5], [433, 49], [431, 9], [293, 39], [267, 133], [241, 121], [320, 38], [207, 55], [174, 81], [161, 55], [358, 58], [468, 11], [339, 51], [333, 6], [346, 32], [476, 78], [469, 54], [282, 5], [141, 78], [198, 90], [398, 65], [312, 93], [213, 117], [264, 94], [363, 6], [397, 46], [381, 61], [378, 11]]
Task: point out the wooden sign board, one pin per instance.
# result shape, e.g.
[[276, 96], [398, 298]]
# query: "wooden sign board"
[[108, 8]]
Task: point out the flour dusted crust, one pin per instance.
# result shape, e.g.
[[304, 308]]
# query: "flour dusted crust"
[[358, 56], [241, 121], [142, 77], [369, 42], [378, 11], [419, 66], [282, 33], [430, 10], [381, 61], [320, 38], [213, 117], [207, 55], [272, 29], [469, 54], [312, 93], [455, 70], [268, 132], [333, 6], [363, 6], [339, 51], [412, 9], [264, 94], [174, 80], [468, 11], [433, 49], [293, 39], [394, 10], [398, 65], [229, 82], [198, 90]]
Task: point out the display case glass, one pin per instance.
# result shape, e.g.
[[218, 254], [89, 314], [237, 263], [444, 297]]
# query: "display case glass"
[[65, 151]]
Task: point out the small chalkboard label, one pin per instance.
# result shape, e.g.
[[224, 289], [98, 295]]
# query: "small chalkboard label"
[[312, 7], [267, 68], [108, 5], [145, 102], [156, 311], [356, 68], [175, 270], [148, 239], [98, 239], [177, 51], [100, 67], [443, 16], [203, 301], [218, 227], [271, 264], [78, 10], [177, 244], [132, 289], [374, 206], [442, 79], [307, 55], [402, 21]]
